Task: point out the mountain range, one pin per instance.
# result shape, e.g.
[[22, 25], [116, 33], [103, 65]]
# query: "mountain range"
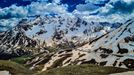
[[114, 48], [34, 34]]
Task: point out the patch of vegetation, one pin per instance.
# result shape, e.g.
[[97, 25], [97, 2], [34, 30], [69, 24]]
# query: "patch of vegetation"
[[21, 60], [83, 70], [14, 68]]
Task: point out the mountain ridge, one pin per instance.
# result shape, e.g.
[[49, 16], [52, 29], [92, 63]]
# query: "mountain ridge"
[[38, 32], [112, 49]]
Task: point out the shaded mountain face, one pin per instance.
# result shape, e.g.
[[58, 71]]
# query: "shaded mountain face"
[[112, 49], [33, 34], [14, 42]]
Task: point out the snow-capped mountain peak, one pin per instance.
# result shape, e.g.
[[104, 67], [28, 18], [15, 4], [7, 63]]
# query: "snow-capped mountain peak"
[[112, 49], [41, 31]]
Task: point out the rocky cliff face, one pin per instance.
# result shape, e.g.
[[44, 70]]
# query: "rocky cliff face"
[[112, 49], [33, 34]]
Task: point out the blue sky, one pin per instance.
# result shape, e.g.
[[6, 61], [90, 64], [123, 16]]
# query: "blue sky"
[[11, 11], [71, 3]]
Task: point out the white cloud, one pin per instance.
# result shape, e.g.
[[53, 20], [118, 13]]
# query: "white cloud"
[[86, 7], [56, 1], [42, 8], [11, 15], [111, 12], [96, 1], [106, 9], [35, 8], [13, 11]]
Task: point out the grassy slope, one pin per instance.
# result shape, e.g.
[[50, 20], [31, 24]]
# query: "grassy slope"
[[21, 60], [17, 69], [83, 70], [14, 68]]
